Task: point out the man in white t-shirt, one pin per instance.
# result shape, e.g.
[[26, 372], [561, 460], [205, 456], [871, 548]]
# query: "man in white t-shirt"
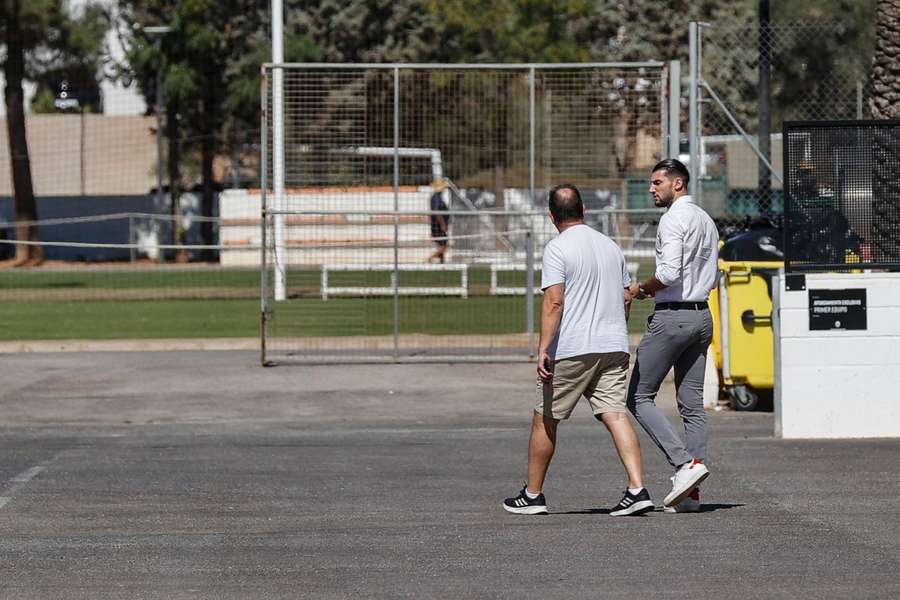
[[583, 350]]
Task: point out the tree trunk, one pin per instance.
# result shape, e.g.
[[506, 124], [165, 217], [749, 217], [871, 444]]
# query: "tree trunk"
[[885, 100], [23, 192], [885, 104]]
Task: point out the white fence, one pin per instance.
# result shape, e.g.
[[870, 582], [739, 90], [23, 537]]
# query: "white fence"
[[461, 290]]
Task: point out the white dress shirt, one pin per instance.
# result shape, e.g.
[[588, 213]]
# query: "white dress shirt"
[[687, 253]]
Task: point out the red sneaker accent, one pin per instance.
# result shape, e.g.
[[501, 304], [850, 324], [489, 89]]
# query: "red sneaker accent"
[[695, 495], [696, 461]]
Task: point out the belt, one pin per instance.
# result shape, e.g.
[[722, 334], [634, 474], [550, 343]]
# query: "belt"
[[682, 306]]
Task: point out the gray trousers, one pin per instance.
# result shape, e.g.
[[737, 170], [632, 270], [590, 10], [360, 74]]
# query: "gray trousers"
[[680, 339]]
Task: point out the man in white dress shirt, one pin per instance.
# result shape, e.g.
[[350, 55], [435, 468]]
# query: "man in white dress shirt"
[[678, 332]]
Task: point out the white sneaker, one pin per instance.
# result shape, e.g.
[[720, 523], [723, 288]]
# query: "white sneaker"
[[690, 504], [686, 479]]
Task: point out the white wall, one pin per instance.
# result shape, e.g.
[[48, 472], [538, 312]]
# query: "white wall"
[[838, 383], [319, 239]]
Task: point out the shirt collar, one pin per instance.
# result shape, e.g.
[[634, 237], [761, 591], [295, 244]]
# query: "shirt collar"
[[682, 200]]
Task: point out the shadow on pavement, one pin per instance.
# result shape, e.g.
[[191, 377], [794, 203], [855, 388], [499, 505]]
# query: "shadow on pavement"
[[606, 511], [715, 507]]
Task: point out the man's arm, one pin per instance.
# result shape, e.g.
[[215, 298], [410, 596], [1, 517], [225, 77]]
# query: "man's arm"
[[650, 286], [668, 261], [551, 315]]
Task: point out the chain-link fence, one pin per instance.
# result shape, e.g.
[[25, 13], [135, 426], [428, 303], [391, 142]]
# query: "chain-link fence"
[[404, 205], [754, 77], [842, 211]]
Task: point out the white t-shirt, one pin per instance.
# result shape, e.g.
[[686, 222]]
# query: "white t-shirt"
[[687, 253], [592, 269]]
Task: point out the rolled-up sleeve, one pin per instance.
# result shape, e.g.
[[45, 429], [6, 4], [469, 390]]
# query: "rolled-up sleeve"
[[553, 270], [626, 276], [669, 242]]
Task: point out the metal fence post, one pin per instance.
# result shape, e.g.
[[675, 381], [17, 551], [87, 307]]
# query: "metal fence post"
[[131, 238], [278, 174], [694, 108], [531, 134], [529, 285], [263, 213], [674, 108], [529, 235], [859, 100], [395, 279], [763, 138]]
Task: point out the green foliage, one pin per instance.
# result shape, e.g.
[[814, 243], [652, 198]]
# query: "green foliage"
[[643, 30], [518, 31], [58, 44], [367, 30], [42, 102], [247, 48]]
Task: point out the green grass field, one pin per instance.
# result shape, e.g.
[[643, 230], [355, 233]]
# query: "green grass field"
[[207, 303]]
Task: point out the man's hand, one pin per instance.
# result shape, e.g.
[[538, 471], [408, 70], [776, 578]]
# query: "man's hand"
[[640, 294], [545, 367], [635, 291]]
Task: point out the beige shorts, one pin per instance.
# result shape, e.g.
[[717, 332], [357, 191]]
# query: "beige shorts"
[[598, 377]]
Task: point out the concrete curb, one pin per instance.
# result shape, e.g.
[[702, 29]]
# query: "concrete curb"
[[142, 345], [174, 344]]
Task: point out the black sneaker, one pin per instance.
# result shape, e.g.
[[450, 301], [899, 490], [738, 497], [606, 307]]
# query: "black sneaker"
[[633, 504], [523, 505]]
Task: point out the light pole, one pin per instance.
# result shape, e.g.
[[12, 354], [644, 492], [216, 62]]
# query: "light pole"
[[158, 32]]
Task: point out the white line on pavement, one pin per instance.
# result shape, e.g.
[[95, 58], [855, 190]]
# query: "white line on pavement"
[[18, 482], [27, 475]]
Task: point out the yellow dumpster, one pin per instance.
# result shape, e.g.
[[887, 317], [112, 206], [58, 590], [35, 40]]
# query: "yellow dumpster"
[[742, 334]]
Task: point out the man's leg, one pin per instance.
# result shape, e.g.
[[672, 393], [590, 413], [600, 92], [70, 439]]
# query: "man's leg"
[[540, 450], [690, 369], [627, 445], [657, 352]]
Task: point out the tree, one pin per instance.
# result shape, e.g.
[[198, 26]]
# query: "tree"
[[69, 69], [210, 60], [367, 30], [498, 31], [885, 104], [38, 35]]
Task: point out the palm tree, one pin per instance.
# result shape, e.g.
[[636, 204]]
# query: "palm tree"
[[884, 103]]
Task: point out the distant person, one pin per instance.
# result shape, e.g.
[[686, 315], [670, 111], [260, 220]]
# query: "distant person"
[[440, 223], [583, 350], [678, 332]]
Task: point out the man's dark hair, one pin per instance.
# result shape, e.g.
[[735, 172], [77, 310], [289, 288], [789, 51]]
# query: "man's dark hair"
[[565, 203], [673, 168]]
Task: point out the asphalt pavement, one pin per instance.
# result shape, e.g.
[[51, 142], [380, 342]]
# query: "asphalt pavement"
[[203, 475]]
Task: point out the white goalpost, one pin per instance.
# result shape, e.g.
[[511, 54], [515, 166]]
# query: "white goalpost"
[[278, 146]]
